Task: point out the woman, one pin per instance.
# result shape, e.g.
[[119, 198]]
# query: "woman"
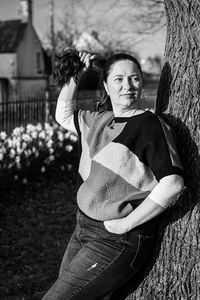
[[130, 174]]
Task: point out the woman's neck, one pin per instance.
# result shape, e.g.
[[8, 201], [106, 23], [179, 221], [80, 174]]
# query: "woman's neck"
[[127, 113]]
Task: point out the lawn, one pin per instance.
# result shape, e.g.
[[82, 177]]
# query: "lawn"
[[37, 219]]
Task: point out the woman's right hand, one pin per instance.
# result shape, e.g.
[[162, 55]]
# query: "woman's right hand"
[[86, 58]]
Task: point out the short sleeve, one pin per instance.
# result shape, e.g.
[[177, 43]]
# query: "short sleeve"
[[160, 149], [83, 119]]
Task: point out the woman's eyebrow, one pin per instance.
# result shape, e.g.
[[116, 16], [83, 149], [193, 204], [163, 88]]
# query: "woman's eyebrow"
[[120, 75]]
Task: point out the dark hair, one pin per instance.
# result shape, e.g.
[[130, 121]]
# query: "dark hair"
[[68, 65], [115, 58]]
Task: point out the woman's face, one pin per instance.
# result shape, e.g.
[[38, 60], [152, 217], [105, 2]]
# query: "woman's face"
[[124, 85]]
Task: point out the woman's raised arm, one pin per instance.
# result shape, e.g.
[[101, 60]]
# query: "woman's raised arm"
[[66, 105]]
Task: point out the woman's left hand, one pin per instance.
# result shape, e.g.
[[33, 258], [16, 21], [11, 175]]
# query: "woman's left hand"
[[118, 226]]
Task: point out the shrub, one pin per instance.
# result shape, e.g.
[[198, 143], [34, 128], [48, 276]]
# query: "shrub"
[[37, 150]]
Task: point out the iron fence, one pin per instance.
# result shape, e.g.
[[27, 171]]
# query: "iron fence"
[[17, 113], [33, 111]]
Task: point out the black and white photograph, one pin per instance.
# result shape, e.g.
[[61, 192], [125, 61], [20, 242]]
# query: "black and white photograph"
[[99, 149]]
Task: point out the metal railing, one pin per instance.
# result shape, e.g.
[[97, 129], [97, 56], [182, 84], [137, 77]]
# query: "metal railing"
[[17, 113], [33, 111]]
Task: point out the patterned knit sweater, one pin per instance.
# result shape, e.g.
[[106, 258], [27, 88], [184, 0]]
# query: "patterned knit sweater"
[[122, 160]]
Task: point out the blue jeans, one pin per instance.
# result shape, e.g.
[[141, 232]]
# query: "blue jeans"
[[97, 262]]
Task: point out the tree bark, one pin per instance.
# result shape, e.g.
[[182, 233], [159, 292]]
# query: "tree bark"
[[174, 270]]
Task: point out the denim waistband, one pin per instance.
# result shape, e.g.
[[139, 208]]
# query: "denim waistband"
[[148, 228], [83, 214]]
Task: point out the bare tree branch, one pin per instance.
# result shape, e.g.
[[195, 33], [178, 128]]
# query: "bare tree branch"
[[119, 23]]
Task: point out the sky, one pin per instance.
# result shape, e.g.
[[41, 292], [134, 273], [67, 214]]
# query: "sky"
[[9, 9]]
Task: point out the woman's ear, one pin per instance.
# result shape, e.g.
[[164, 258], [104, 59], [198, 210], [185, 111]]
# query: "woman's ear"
[[105, 87]]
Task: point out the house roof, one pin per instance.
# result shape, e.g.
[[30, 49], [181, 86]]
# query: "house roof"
[[11, 33]]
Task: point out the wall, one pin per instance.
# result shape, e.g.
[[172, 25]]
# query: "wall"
[[26, 55], [31, 87], [7, 65], [31, 72]]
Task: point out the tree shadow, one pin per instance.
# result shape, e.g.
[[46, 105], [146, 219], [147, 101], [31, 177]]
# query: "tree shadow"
[[190, 159]]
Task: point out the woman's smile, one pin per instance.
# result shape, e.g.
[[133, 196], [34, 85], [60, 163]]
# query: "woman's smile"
[[129, 95]]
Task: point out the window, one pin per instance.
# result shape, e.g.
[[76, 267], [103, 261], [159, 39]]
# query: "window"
[[38, 62], [4, 90]]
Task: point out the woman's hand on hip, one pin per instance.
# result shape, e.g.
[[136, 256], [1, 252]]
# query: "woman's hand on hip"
[[118, 226]]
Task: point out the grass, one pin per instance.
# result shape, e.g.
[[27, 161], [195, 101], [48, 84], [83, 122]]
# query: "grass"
[[36, 223]]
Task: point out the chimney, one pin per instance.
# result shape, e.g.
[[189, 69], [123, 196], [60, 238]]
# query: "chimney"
[[26, 11]]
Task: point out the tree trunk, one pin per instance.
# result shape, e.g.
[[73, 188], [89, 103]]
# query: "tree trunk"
[[174, 270]]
